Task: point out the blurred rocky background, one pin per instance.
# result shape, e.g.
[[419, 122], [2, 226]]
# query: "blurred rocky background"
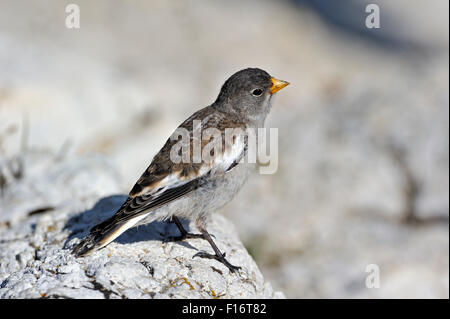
[[363, 174]]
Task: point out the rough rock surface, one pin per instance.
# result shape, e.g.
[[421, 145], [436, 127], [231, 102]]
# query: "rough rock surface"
[[35, 242]]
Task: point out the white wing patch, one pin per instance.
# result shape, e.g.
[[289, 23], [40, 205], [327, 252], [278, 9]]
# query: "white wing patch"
[[230, 155], [219, 165]]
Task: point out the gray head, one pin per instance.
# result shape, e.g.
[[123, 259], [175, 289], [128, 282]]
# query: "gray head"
[[247, 93]]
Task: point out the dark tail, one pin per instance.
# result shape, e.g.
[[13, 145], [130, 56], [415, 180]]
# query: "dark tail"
[[100, 236], [86, 246]]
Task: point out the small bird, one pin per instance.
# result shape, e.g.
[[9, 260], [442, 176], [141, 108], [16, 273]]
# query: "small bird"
[[193, 189]]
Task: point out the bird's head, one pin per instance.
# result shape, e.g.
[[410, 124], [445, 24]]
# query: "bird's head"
[[248, 93]]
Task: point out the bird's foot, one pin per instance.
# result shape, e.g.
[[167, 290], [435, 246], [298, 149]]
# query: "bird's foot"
[[219, 258]]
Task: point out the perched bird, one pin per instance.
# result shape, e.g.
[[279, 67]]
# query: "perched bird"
[[193, 189]]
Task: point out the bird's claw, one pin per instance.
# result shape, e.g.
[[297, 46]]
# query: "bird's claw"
[[219, 258]]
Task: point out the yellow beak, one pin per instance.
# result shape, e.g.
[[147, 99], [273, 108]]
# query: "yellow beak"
[[277, 85]]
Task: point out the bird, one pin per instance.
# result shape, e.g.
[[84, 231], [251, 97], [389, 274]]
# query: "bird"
[[193, 188]]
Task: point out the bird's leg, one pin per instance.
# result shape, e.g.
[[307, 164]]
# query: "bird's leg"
[[184, 233], [218, 256]]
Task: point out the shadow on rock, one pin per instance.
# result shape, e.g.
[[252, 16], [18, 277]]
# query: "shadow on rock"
[[80, 224]]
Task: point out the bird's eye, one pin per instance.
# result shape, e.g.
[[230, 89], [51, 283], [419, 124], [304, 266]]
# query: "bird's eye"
[[257, 92]]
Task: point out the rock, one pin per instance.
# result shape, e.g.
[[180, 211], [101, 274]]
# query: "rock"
[[42, 182], [36, 259]]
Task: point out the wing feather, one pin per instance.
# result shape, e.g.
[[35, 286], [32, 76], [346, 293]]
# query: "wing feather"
[[164, 181]]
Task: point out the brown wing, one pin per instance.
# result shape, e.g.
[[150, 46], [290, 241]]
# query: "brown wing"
[[164, 181], [163, 172]]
